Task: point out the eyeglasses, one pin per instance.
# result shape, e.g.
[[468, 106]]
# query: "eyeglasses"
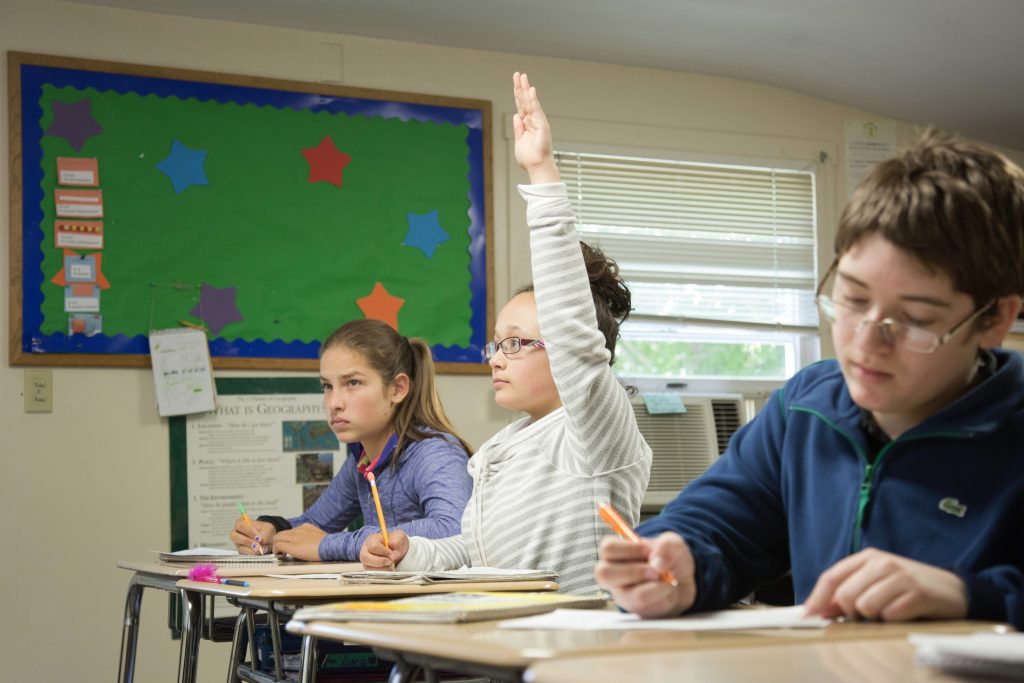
[[510, 345], [911, 337]]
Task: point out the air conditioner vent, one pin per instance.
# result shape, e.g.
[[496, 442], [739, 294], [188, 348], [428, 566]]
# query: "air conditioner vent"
[[727, 420], [685, 444]]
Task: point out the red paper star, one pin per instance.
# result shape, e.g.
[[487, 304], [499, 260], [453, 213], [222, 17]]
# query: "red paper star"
[[326, 162], [379, 305]]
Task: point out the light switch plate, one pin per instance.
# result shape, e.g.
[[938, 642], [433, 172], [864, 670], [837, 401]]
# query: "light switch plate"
[[39, 391]]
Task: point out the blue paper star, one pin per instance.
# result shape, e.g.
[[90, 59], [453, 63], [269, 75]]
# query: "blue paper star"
[[425, 232], [74, 122], [217, 308], [184, 166]]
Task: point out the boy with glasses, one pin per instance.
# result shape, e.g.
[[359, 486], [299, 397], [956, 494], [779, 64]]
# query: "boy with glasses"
[[890, 480]]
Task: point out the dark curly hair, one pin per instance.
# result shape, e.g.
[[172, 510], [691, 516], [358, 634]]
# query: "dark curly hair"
[[612, 299]]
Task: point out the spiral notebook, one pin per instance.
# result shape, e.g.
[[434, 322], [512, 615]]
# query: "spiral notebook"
[[221, 556], [449, 608]]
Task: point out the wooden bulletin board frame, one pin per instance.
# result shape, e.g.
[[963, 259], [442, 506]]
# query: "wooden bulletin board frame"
[[404, 227]]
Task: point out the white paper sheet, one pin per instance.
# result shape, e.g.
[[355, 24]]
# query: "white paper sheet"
[[182, 371], [608, 620], [975, 654]]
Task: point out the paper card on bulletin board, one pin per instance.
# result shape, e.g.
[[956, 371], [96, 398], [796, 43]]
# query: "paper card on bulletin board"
[[267, 446], [268, 211], [181, 371]]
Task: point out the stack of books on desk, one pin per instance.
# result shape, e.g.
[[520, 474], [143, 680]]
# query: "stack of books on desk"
[[463, 575], [448, 608]]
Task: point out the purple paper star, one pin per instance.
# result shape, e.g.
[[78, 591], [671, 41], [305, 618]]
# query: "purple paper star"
[[217, 308], [74, 122], [425, 232]]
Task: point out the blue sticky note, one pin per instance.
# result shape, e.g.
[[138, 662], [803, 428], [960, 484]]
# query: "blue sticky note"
[[663, 403]]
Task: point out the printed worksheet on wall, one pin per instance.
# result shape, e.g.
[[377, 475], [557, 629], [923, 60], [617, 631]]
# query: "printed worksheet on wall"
[[182, 371]]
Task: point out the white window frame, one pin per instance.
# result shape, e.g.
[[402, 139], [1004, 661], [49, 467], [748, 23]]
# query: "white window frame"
[[700, 146]]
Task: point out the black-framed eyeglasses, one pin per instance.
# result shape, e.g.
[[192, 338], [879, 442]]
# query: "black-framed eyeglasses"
[[510, 345]]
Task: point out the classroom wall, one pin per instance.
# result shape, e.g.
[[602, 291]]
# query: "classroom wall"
[[88, 484]]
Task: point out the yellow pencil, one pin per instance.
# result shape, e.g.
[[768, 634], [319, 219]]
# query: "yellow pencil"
[[380, 513]]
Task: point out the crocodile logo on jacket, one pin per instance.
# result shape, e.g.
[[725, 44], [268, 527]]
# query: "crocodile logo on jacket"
[[952, 506]]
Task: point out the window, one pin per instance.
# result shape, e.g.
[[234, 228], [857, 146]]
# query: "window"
[[720, 259]]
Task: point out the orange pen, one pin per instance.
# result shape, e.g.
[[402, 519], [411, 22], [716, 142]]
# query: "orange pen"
[[615, 521], [380, 512]]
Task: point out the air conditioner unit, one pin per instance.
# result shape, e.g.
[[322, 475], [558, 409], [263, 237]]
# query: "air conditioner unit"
[[685, 444]]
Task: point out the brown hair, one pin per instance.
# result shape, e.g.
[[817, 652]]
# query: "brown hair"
[[956, 207], [612, 299], [391, 354]]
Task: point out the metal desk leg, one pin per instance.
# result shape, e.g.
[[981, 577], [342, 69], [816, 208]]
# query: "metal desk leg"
[[130, 630], [307, 660], [237, 652], [191, 608], [274, 626]]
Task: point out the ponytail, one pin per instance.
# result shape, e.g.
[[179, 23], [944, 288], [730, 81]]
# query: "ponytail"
[[420, 415]]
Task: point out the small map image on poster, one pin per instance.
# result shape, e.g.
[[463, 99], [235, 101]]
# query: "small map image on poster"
[[314, 468], [308, 436], [311, 493]]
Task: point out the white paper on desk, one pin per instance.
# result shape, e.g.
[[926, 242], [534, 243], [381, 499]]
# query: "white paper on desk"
[[979, 654], [182, 371], [303, 576], [609, 620]]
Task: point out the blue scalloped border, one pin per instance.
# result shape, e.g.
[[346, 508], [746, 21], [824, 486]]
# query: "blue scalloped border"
[[34, 77]]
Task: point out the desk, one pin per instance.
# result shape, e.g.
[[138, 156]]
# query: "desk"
[[486, 650], [166, 576], [276, 596], [847, 661]]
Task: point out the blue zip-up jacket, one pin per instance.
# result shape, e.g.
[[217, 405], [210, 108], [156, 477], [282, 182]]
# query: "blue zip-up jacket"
[[424, 495], [794, 490]]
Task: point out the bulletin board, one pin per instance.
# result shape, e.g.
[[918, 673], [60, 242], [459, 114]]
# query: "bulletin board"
[[266, 212]]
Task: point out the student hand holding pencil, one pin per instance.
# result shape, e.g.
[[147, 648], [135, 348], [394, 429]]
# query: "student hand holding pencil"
[[633, 573], [252, 537], [376, 555]]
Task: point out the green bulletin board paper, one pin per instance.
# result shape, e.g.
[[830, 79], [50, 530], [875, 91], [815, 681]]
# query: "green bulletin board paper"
[[297, 252]]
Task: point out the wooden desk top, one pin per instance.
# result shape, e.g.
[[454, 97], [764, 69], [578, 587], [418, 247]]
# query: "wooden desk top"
[[266, 587], [175, 569], [843, 661], [485, 643]]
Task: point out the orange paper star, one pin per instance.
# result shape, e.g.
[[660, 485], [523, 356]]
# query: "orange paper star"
[[326, 162], [379, 305]]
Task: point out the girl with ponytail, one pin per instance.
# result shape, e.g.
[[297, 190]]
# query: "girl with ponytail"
[[380, 396]]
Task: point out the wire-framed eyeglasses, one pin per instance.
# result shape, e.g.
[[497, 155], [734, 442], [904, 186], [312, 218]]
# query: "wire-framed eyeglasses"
[[910, 337], [510, 345]]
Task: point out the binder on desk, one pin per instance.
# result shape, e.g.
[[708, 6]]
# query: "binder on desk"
[[448, 608], [461, 575]]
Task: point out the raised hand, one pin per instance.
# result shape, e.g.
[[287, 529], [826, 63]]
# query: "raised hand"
[[534, 150]]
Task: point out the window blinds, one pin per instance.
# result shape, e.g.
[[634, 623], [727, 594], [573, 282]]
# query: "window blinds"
[[705, 242]]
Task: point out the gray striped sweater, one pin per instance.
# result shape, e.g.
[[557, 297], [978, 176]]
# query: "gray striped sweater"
[[536, 485]]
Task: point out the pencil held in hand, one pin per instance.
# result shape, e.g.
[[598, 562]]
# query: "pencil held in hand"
[[259, 541], [380, 512], [613, 519]]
